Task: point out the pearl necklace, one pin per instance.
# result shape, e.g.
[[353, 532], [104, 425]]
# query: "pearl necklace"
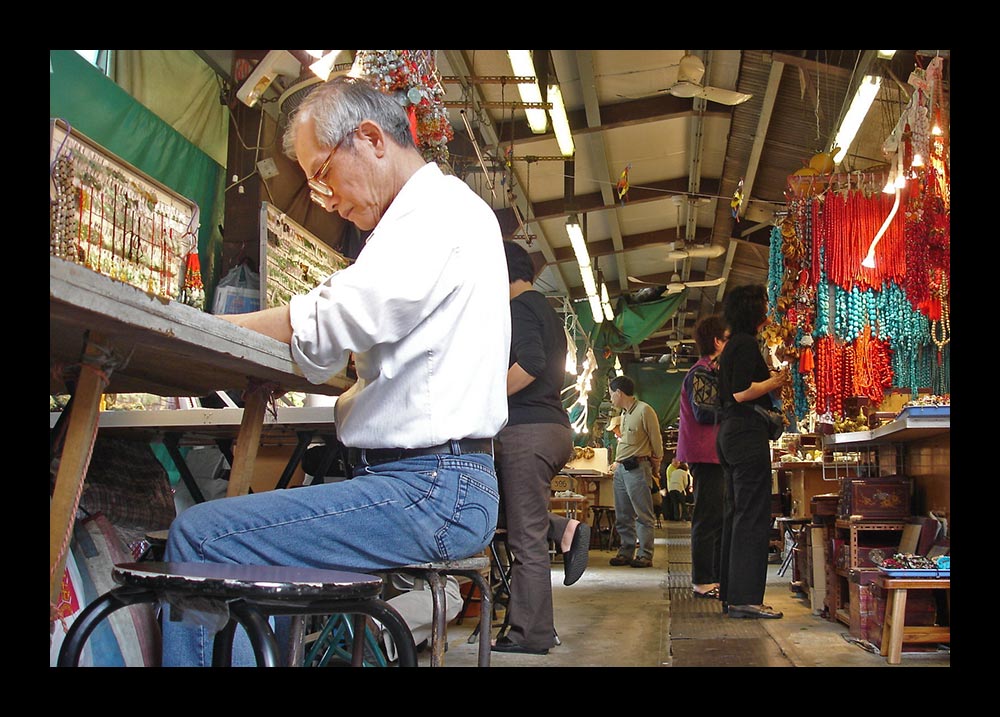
[[945, 321]]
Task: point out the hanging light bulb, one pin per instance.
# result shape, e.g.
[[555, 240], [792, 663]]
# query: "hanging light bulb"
[[890, 182], [918, 160], [900, 182]]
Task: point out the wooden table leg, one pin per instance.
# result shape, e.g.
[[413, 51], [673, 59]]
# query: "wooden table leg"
[[247, 443], [892, 626], [81, 431]]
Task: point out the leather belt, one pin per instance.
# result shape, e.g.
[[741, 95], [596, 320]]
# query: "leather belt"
[[375, 456]]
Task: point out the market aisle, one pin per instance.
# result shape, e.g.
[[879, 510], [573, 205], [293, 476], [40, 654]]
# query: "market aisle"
[[628, 617], [612, 617]]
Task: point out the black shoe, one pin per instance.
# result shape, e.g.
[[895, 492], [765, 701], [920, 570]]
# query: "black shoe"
[[754, 611], [575, 559], [621, 560], [505, 644], [643, 562]]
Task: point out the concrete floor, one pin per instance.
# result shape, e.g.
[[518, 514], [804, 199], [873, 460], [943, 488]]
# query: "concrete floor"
[[631, 617]]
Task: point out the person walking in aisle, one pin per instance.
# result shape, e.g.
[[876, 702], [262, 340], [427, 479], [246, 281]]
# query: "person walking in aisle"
[[678, 481], [696, 446], [745, 455], [640, 451], [531, 449], [419, 422]]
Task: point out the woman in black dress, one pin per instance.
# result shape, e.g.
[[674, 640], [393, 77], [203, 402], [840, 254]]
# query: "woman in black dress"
[[745, 455]]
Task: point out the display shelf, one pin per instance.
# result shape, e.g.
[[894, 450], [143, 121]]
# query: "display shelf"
[[912, 424]]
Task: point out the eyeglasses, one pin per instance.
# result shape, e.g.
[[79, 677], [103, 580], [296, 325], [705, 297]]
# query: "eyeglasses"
[[319, 189]]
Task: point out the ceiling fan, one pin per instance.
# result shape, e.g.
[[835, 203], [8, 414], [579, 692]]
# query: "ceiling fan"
[[690, 72], [676, 286]]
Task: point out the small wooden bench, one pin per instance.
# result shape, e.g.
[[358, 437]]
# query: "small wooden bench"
[[894, 629]]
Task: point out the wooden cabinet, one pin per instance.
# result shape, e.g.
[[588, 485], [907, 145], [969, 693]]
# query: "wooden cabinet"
[[851, 542], [916, 445]]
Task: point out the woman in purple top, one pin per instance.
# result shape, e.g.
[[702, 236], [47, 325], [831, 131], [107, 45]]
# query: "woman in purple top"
[[696, 447]]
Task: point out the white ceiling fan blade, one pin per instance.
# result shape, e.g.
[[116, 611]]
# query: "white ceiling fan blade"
[[707, 282], [690, 70], [634, 280], [723, 96]]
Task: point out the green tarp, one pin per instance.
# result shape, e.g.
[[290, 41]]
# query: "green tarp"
[[632, 324]]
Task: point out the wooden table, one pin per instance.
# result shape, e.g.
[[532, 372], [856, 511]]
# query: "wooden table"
[[106, 336], [288, 426], [894, 629], [598, 484]]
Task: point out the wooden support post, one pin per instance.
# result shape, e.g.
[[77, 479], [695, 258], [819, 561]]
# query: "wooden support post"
[[80, 434], [247, 443]]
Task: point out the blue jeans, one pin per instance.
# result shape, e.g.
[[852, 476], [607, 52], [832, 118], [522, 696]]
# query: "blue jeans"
[[634, 509], [424, 509]]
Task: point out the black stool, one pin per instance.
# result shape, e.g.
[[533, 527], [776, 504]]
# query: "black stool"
[[793, 528], [250, 593], [473, 568], [498, 592], [607, 537]]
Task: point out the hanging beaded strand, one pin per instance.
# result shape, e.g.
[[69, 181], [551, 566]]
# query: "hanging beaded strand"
[[941, 325], [63, 222]]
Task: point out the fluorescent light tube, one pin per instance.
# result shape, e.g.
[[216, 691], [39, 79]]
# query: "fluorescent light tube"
[[520, 62], [560, 122], [860, 105], [576, 240], [595, 308], [609, 313]]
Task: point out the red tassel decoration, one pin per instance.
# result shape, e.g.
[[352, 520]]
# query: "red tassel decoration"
[[806, 363], [411, 113]]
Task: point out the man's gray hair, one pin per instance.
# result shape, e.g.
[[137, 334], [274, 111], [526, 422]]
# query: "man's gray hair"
[[339, 105]]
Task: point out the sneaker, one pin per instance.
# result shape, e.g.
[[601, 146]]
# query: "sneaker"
[[621, 560], [642, 563]]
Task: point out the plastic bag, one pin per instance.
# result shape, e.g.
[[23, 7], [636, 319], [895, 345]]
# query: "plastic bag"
[[238, 292]]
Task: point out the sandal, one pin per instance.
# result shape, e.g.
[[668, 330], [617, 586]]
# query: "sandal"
[[712, 594]]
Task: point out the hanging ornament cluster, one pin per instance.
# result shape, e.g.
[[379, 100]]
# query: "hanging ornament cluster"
[[411, 76], [859, 269], [736, 203], [622, 187]]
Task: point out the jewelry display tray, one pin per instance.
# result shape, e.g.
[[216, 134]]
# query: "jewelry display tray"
[[915, 573]]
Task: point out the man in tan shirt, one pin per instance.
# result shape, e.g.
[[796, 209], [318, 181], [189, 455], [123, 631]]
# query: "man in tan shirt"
[[637, 460]]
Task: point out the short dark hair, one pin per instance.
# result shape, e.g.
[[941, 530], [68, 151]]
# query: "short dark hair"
[[519, 265], [745, 307], [623, 384], [707, 331]]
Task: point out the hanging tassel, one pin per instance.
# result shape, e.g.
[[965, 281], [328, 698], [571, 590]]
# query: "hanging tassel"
[[411, 114], [806, 363], [193, 293]]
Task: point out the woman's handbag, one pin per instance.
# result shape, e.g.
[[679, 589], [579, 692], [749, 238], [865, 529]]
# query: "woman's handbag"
[[774, 421]]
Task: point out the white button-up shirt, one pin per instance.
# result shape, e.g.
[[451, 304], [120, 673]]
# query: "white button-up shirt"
[[426, 310]]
